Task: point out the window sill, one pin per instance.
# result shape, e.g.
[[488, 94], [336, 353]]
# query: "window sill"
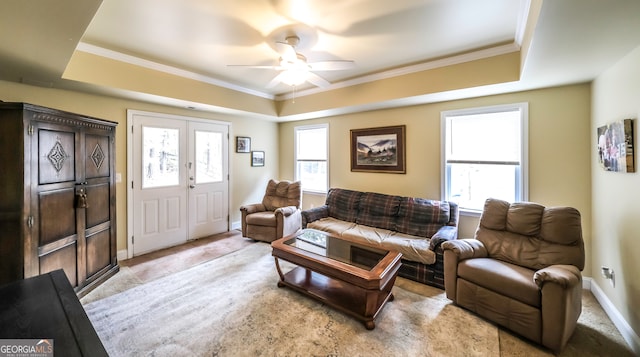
[[317, 193], [467, 212]]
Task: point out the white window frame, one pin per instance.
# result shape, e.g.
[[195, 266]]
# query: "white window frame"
[[296, 129], [522, 187]]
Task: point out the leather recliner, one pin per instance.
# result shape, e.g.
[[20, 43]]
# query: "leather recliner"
[[277, 216], [522, 270]]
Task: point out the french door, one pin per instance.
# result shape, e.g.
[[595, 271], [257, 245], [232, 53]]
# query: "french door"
[[179, 189]]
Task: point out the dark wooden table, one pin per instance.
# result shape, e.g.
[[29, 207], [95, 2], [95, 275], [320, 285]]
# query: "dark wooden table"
[[46, 307], [353, 278]]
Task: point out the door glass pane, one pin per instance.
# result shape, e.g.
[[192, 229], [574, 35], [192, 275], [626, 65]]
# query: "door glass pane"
[[208, 157], [160, 152]]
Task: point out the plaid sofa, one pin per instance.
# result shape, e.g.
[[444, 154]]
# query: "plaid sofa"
[[415, 227]]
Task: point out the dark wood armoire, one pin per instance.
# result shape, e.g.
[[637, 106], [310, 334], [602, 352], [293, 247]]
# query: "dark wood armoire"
[[57, 195]]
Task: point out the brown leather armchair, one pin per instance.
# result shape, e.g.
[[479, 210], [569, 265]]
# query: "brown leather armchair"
[[522, 270], [277, 216]]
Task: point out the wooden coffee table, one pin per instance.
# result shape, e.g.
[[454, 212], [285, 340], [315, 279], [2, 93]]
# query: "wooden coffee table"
[[353, 278]]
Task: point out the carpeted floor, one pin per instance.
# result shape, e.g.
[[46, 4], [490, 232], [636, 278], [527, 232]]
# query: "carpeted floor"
[[231, 306]]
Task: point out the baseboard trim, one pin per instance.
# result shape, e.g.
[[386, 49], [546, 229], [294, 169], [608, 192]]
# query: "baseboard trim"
[[616, 317], [122, 255], [236, 225]]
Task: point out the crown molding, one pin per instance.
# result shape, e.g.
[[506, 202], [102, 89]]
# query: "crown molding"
[[443, 62], [118, 56]]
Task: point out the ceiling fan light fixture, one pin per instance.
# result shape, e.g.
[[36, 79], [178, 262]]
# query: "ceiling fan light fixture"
[[294, 76]]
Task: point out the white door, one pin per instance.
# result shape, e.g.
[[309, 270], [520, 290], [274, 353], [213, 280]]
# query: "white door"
[[180, 181], [208, 183]]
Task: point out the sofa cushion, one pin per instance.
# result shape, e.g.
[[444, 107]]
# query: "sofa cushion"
[[422, 217], [503, 278], [343, 204], [282, 194], [524, 218], [412, 248], [331, 225], [378, 210], [530, 235]]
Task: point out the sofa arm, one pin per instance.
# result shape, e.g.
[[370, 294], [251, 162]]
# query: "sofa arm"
[[314, 214], [561, 304], [445, 233], [566, 276], [466, 248]]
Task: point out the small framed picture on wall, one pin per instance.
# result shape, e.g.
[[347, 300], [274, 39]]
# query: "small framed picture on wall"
[[243, 144], [257, 158]]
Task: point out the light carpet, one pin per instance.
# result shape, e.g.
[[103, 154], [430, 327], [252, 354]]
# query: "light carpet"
[[231, 306]]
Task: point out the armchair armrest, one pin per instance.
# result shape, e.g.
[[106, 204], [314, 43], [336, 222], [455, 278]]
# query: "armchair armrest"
[[566, 276], [314, 214], [466, 248], [253, 208], [455, 251], [445, 233], [247, 210], [288, 220], [286, 211], [561, 292]]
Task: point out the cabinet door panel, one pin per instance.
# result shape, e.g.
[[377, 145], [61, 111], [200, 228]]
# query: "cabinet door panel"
[[98, 204], [64, 258], [56, 156], [98, 252], [57, 215], [97, 156]]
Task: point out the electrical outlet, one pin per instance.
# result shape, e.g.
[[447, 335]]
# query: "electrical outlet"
[[608, 274]]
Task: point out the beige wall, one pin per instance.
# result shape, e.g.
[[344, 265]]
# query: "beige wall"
[[247, 183], [616, 196], [559, 159]]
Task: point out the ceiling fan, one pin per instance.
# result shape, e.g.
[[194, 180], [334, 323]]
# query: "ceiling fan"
[[294, 68]]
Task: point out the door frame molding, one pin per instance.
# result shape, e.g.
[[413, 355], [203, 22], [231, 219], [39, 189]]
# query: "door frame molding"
[[130, 115]]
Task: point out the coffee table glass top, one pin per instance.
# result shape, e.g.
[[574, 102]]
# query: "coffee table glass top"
[[323, 244]]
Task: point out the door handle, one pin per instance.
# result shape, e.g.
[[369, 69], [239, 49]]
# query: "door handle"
[[81, 199]]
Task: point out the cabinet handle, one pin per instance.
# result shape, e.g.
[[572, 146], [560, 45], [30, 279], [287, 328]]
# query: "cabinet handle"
[[30, 222]]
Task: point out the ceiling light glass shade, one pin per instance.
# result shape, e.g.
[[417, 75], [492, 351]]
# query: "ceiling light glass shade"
[[293, 76]]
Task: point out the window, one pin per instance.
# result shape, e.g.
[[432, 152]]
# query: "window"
[[312, 157], [484, 155]]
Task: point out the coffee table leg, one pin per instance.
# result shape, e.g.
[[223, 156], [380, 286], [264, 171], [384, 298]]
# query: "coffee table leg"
[[370, 325], [391, 297], [280, 284]]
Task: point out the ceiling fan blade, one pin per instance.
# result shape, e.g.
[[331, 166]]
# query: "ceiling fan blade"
[[276, 80], [317, 80], [286, 51], [252, 66], [331, 65]]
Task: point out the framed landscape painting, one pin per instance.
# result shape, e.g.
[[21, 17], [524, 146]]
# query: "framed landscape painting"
[[616, 147], [378, 149]]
